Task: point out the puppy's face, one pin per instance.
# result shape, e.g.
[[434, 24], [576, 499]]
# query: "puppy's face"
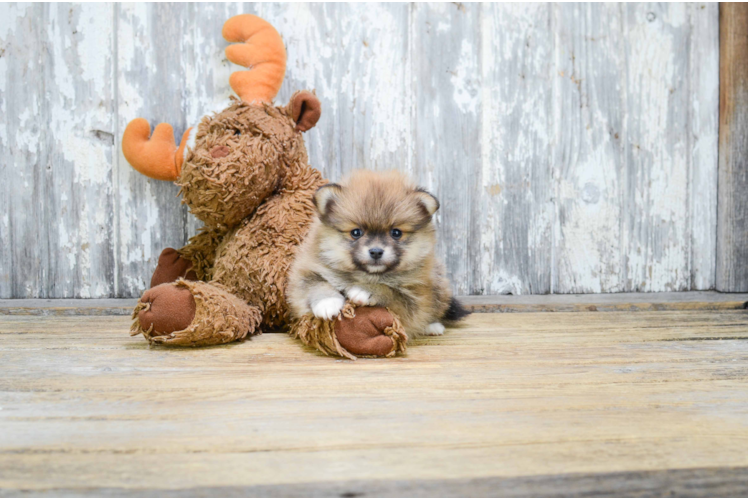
[[376, 223]]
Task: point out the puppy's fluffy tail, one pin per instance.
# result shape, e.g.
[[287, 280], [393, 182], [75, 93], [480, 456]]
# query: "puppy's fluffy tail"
[[456, 311]]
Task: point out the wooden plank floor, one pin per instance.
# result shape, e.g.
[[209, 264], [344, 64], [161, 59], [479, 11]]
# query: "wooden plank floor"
[[598, 403]]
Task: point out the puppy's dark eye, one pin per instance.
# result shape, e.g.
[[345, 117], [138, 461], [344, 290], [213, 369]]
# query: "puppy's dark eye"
[[396, 234], [356, 233]]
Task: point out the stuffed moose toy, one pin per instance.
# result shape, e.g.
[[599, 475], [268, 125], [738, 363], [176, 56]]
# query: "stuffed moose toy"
[[244, 172]]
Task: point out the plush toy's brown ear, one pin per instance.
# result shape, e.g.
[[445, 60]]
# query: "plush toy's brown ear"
[[305, 109], [324, 198]]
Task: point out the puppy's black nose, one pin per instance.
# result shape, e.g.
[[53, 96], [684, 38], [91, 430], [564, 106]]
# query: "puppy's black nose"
[[376, 253]]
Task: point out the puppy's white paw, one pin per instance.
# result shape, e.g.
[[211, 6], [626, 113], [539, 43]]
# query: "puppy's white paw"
[[358, 296], [328, 308], [434, 329]]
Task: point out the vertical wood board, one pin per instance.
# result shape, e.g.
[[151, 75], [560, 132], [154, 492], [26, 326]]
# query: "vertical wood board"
[[516, 195], [588, 147], [447, 140], [732, 226]]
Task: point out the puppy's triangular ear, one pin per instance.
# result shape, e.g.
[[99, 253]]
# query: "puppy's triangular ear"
[[325, 197], [428, 201]]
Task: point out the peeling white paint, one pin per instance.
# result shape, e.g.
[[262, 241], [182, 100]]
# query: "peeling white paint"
[[658, 142], [502, 283], [13, 16], [516, 235], [465, 80], [704, 82], [573, 146], [390, 126]]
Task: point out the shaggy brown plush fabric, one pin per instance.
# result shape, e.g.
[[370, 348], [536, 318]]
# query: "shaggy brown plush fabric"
[[248, 179], [256, 202], [369, 332], [261, 140], [245, 173], [201, 250], [219, 318], [172, 266]]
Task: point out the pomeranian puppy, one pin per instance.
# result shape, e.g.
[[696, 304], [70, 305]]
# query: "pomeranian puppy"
[[373, 243]]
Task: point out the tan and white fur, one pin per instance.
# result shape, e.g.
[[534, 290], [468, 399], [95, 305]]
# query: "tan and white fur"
[[373, 244]]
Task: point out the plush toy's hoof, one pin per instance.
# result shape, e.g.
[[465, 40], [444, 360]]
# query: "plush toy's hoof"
[[364, 334], [358, 331], [171, 266], [193, 313], [168, 309]]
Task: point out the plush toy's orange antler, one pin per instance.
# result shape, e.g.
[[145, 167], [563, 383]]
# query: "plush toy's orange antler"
[[157, 157], [262, 51]]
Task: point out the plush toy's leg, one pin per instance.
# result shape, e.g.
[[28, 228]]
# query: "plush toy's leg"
[[172, 266], [362, 331], [193, 313], [253, 263]]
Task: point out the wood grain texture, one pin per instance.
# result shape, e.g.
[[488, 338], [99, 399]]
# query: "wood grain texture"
[[635, 114], [573, 147], [588, 152], [446, 48], [732, 226], [688, 483], [78, 77], [703, 68], [517, 203], [24, 245], [56, 220], [655, 199], [87, 409]]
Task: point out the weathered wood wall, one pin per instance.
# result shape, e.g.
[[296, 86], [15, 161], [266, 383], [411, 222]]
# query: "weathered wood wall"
[[573, 147]]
